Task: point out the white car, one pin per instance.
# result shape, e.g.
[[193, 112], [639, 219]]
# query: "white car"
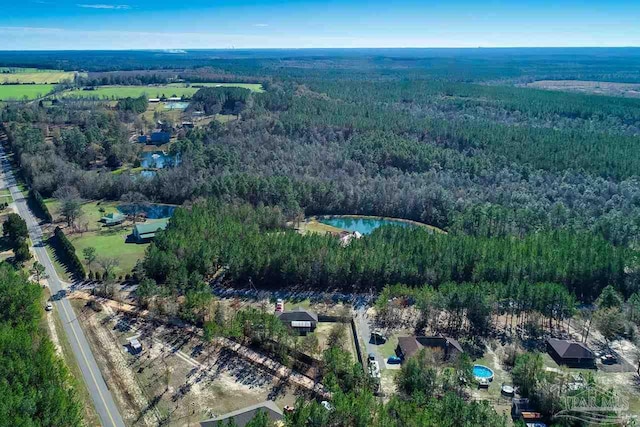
[[326, 405], [48, 307]]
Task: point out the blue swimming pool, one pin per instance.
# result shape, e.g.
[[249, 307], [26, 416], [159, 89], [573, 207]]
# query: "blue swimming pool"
[[482, 372], [362, 225]]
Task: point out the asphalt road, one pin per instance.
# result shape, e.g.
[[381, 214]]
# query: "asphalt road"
[[102, 398]]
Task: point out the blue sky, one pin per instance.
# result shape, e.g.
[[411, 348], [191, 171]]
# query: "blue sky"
[[172, 24]]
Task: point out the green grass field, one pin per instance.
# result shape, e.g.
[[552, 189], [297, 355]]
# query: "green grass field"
[[38, 77], [119, 92], [254, 87], [20, 92], [108, 241]]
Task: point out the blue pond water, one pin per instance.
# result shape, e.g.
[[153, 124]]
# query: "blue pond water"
[[156, 160], [152, 211], [362, 225], [481, 371]]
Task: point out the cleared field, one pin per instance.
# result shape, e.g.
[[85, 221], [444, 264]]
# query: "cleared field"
[[254, 87], [629, 90], [20, 92], [119, 92], [38, 77]]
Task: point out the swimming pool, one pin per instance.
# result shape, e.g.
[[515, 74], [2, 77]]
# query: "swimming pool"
[[362, 225], [482, 372]]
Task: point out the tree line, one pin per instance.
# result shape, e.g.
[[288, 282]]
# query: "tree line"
[[35, 386], [239, 238]]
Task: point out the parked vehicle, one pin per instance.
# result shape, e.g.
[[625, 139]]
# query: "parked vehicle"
[[377, 338], [49, 306], [394, 360], [371, 357]]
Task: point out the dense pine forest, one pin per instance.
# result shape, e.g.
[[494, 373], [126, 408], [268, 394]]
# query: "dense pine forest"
[[531, 185], [34, 383]]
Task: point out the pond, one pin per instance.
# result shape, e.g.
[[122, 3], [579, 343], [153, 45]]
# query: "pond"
[[157, 160], [152, 211], [175, 105], [362, 225]]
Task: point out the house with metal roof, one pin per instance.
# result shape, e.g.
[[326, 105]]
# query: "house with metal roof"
[[242, 417], [300, 320], [570, 353], [147, 231], [113, 219], [409, 346]]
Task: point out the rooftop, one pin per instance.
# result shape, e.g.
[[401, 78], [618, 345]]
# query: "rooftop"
[[298, 315], [243, 416], [570, 349], [151, 226]]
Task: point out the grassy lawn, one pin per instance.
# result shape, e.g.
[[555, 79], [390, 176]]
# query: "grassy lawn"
[[38, 77], [19, 92], [159, 107], [314, 226], [110, 242], [118, 92]]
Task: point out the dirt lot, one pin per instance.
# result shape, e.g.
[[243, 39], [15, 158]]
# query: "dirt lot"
[[629, 90], [175, 380]]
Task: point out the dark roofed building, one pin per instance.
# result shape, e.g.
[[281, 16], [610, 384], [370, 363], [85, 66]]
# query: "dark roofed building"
[[300, 320], [570, 353], [160, 137], [409, 346], [242, 416]]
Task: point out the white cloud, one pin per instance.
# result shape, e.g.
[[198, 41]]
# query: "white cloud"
[[260, 25], [105, 6]]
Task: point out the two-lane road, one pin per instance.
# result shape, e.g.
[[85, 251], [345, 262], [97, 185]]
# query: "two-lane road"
[[102, 398]]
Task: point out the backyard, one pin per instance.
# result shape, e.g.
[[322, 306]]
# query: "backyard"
[[109, 242]]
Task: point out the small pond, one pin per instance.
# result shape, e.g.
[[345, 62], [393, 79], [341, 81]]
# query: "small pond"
[[152, 211], [362, 225], [157, 160], [175, 105]]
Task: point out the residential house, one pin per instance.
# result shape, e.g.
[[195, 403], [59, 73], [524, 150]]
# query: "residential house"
[[570, 353], [409, 346], [159, 137], [114, 218], [300, 320], [147, 231], [242, 417]]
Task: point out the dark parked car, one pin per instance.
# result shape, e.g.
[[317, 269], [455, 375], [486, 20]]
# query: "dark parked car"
[[394, 360]]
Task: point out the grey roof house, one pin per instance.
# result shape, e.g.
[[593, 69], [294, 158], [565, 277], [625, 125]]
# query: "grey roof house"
[[409, 346], [242, 416], [570, 353], [299, 319]]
